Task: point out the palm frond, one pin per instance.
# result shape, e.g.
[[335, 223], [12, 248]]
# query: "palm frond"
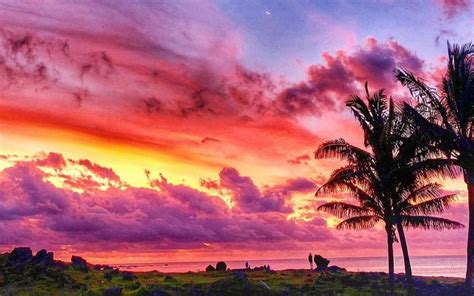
[[362, 113], [429, 207], [441, 135], [343, 210], [342, 150], [358, 223], [341, 177], [438, 167], [422, 193], [417, 87], [429, 222], [458, 87]]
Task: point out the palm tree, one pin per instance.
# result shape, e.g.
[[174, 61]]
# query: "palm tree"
[[367, 214], [389, 182], [446, 117]]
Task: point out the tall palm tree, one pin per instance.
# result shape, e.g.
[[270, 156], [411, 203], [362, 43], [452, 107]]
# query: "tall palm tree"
[[390, 182], [446, 117]]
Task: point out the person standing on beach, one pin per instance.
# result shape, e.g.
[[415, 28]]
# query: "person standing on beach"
[[310, 259]]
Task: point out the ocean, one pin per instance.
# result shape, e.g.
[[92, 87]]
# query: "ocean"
[[451, 266]]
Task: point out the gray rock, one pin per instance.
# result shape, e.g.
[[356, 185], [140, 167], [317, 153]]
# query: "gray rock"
[[44, 257], [20, 255], [321, 262]]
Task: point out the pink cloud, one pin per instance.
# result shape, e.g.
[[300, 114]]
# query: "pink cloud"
[[24, 194], [65, 65], [344, 73], [302, 159], [52, 160], [79, 174], [247, 196], [103, 172], [173, 216], [375, 62], [452, 8], [169, 217]]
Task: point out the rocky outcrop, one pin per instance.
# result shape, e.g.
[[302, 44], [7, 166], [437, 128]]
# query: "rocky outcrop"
[[79, 263], [321, 262], [20, 255], [44, 257], [23, 256]]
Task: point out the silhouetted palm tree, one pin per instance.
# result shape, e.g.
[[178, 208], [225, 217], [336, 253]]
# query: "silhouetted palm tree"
[[446, 118], [390, 182]]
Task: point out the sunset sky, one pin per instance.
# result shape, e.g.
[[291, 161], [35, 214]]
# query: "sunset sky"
[[185, 130]]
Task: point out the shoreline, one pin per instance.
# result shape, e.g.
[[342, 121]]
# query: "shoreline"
[[427, 266]]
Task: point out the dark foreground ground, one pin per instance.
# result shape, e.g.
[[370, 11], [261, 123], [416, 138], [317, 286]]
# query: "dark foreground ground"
[[43, 276]]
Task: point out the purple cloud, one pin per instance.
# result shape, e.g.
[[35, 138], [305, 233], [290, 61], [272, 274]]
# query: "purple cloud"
[[166, 217]]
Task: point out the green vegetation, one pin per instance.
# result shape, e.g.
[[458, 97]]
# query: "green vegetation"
[[61, 279]]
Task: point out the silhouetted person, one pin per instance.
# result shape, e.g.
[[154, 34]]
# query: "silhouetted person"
[[247, 265], [310, 259]]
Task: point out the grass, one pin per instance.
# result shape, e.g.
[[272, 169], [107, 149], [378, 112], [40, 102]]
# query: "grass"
[[66, 280]]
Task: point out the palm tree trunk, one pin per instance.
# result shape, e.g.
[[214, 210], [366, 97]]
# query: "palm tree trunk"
[[469, 179], [406, 257], [391, 264]]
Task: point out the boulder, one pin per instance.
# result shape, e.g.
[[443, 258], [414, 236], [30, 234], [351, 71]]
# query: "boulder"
[[113, 291], [20, 255], [221, 266], [210, 268], [79, 263], [44, 257], [321, 262]]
